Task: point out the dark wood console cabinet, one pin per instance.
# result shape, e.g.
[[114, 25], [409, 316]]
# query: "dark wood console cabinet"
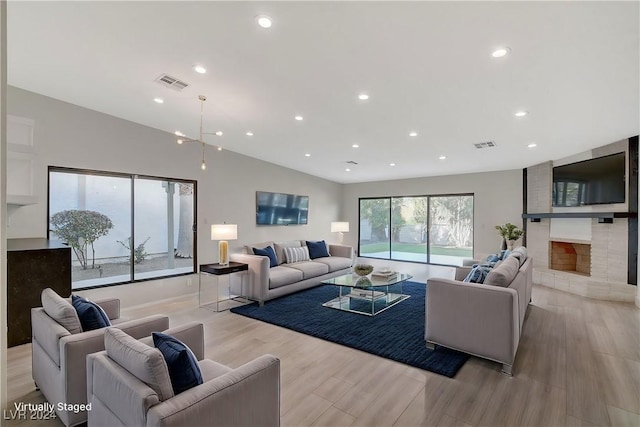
[[33, 265]]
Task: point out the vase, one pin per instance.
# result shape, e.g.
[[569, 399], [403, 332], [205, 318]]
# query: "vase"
[[504, 244], [511, 244]]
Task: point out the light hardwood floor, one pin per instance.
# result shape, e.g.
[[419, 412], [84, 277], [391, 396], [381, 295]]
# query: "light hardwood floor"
[[578, 364]]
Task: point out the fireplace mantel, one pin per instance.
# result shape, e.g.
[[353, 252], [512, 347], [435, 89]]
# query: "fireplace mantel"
[[603, 217]]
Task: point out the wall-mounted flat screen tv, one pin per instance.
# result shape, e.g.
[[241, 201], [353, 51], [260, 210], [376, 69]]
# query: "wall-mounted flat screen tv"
[[281, 209], [590, 182]]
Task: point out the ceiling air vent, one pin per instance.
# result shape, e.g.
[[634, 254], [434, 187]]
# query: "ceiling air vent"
[[172, 82], [487, 144], [351, 162]]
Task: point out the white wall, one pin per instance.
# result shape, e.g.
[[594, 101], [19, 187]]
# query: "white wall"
[[498, 200], [71, 136], [3, 199]]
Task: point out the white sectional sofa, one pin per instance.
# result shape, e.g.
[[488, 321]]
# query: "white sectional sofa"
[[271, 282], [485, 320]]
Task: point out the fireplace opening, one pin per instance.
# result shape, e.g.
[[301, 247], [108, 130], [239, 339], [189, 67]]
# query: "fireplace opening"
[[572, 257]]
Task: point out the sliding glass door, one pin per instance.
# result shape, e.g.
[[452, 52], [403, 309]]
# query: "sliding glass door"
[[122, 228], [163, 246], [450, 229], [427, 229], [375, 218]]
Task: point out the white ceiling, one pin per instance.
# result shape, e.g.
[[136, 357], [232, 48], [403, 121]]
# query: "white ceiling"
[[427, 67]]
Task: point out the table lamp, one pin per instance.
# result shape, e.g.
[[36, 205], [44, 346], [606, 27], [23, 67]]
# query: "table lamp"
[[223, 233], [340, 227]]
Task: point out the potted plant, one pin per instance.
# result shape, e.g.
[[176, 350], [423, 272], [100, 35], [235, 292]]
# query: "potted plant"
[[509, 233]]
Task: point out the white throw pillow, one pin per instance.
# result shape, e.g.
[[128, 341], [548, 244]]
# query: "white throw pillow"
[[296, 254]]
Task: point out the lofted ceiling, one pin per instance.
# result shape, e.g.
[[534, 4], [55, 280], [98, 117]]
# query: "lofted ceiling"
[[426, 66]]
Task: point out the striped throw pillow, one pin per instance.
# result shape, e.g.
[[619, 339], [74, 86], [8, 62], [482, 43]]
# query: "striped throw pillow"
[[296, 254]]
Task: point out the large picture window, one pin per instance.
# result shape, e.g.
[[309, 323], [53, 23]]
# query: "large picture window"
[[428, 229], [122, 228]]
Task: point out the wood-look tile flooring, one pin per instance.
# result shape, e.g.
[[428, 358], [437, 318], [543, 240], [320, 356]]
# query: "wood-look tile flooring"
[[578, 364]]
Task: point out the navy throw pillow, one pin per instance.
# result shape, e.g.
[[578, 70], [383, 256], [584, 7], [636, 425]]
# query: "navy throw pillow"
[[91, 315], [268, 251], [317, 249], [181, 362]]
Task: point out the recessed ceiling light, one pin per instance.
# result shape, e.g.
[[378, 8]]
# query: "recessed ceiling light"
[[159, 100], [442, 157], [363, 97], [392, 164], [347, 170], [299, 118], [219, 148], [179, 141], [521, 113], [355, 145], [249, 134], [264, 21], [199, 69], [307, 155], [178, 133], [499, 53], [219, 133], [533, 144], [413, 133]]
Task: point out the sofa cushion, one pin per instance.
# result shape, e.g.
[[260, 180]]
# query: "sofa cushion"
[[335, 263], [269, 252], [60, 310], [520, 253], [282, 276], [503, 274], [91, 315], [181, 362], [143, 362], [310, 268], [317, 249], [296, 254], [280, 249]]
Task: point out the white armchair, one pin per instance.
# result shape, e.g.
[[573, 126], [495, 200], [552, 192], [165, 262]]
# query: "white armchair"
[[59, 356], [129, 385]]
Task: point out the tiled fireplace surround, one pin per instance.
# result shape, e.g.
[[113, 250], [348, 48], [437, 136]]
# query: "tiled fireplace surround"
[[607, 278]]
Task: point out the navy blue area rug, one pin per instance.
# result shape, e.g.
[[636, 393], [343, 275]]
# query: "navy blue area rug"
[[396, 334]]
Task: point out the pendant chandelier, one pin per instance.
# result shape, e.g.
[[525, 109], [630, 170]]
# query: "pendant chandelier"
[[183, 140]]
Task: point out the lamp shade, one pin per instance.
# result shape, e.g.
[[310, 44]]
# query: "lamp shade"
[[340, 227], [224, 231]]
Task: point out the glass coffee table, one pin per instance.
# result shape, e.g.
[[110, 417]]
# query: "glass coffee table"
[[367, 295]]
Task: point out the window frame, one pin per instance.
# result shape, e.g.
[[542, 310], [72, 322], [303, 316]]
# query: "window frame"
[[132, 177], [428, 196]]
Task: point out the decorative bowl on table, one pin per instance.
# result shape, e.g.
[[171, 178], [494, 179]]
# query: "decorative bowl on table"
[[363, 282], [362, 269]]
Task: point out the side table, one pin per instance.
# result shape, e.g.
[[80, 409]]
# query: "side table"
[[215, 296]]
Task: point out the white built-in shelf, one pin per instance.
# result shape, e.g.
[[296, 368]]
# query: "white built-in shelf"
[[21, 155]]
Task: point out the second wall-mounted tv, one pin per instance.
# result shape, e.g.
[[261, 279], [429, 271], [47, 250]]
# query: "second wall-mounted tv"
[[590, 182], [281, 209]]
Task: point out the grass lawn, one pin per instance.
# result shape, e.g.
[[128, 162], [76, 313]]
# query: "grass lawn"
[[415, 249]]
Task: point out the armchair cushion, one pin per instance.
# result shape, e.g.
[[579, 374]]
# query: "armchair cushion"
[[181, 362], [144, 362], [60, 310], [91, 315]]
